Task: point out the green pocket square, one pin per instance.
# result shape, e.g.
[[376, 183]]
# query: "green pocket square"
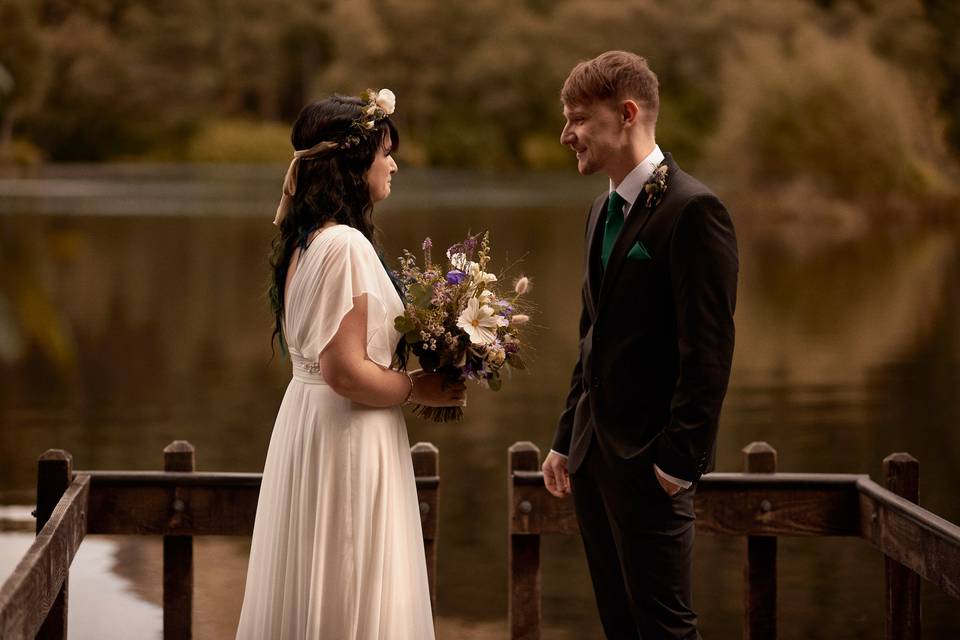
[[638, 252]]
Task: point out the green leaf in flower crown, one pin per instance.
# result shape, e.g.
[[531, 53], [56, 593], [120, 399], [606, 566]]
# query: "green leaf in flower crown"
[[495, 382], [404, 324], [515, 361], [420, 295], [412, 337]]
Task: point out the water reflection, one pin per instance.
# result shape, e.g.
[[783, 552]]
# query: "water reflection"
[[121, 333]]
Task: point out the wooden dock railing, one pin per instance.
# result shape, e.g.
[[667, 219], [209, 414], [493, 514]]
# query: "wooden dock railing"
[[177, 503], [760, 505]]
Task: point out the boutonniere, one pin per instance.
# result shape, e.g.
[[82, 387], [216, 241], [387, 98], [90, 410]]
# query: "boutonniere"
[[656, 185]]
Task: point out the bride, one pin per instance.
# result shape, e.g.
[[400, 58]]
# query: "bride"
[[337, 549]]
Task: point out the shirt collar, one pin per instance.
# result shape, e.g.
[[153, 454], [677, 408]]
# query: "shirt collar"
[[629, 188]]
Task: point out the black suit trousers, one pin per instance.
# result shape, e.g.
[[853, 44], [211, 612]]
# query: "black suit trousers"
[[639, 546]]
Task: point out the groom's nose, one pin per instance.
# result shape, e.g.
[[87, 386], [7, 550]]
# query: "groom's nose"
[[565, 136]]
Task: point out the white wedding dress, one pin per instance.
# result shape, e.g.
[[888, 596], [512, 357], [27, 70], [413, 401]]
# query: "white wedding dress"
[[337, 549]]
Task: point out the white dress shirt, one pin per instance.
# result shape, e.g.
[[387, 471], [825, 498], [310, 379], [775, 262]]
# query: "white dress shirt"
[[629, 189], [631, 186]]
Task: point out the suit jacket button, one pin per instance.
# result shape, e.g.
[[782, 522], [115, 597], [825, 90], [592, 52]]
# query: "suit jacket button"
[[596, 383]]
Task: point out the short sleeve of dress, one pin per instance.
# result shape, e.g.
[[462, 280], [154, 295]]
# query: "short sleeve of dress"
[[346, 267]]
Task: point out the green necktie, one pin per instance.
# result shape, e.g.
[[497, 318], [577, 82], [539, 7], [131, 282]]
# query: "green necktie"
[[613, 226]]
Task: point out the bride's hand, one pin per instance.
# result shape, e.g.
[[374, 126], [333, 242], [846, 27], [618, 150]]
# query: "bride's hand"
[[433, 390]]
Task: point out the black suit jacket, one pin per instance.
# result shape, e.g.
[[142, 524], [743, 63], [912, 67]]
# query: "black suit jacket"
[[656, 334]]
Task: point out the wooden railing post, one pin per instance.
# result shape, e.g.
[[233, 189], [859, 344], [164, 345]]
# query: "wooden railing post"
[[760, 570], [523, 609], [901, 473], [178, 553], [426, 465], [54, 475]]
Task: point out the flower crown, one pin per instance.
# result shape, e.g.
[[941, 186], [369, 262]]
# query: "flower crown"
[[378, 105]]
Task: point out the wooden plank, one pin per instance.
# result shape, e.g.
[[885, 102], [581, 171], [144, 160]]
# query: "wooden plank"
[[901, 473], [223, 504], [196, 479], [426, 464], [738, 504], [760, 566], [31, 591], [778, 504], [916, 538], [54, 475], [179, 455], [523, 611], [145, 504], [534, 510]]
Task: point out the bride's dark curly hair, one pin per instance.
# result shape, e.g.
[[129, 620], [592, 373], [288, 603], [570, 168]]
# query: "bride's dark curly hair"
[[329, 187]]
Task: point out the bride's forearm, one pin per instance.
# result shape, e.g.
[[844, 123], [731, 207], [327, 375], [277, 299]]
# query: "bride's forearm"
[[347, 369], [368, 383]]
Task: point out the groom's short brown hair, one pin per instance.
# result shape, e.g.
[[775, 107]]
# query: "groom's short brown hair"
[[614, 75]]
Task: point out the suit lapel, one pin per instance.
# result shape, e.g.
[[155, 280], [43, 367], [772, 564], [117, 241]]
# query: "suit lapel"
[[637, 219], [593, 263]]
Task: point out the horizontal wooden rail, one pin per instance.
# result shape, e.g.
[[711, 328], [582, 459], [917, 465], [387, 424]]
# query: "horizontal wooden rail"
[[29, 593], [911, 535], [760, 505], [738, 504], [186, 503]]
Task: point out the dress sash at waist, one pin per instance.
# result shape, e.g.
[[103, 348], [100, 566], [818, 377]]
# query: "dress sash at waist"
[[305, 370]]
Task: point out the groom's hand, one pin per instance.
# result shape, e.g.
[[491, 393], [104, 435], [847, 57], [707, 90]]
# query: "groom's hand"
[[555, 475], [670, 487]]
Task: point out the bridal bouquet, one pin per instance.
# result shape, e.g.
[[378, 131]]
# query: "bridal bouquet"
[[456, 322]]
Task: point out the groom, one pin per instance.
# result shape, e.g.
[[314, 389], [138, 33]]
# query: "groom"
[[656, 341]]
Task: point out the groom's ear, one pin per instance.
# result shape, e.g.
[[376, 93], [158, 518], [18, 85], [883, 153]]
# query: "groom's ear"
[[629, 112]]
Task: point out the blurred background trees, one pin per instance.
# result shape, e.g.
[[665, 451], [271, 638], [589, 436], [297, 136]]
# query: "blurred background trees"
[[852, 97]]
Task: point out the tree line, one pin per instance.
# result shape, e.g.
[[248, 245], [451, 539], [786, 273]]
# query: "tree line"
[[787, 85]]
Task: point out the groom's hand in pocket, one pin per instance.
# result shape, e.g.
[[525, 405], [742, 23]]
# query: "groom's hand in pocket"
[[555, 475], [671, 488]]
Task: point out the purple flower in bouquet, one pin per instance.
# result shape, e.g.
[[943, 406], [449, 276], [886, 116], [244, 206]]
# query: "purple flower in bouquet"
[[455, 276]]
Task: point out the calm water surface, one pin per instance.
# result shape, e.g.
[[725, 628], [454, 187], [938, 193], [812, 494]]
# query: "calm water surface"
[[132, 313]]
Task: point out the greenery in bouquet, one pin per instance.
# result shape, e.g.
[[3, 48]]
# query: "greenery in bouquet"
[[456, 322]]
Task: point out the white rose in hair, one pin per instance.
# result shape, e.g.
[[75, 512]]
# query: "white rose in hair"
[[386, 101]]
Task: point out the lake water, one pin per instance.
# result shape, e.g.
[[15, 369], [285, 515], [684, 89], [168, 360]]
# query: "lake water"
[[132, 313]]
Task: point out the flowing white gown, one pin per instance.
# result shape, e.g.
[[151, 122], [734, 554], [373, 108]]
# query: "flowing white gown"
[[337, 549]]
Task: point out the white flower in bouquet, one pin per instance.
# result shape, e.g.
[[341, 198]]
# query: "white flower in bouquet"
[[459, 261], [479, 322], [520, 318], [495, 355]]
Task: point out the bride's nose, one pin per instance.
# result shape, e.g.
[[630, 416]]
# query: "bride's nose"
[[393, 166]]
